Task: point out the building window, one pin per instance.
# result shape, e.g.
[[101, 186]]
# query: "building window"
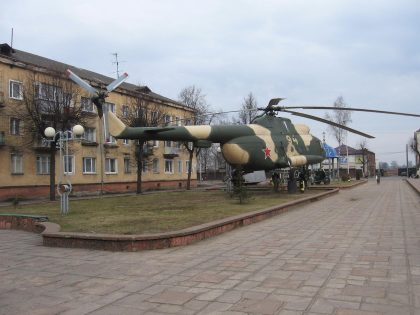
[[126, 141], [155, 143], [15, 90], [68, 164], [86, 105], [169, 166], [110, 140], [187, 166], [155, 166], [14, 126], [107, 137], [127, 168], [144, 167], [51, 98], [90, 134], [180, 167], [89, 165], [168, 120], [16, 163], [168, 144], [42, 165], [109, 107], [125, 111], [111, 166]]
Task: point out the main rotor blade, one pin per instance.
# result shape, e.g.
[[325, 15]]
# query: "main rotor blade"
[[350, 109], [275, 101], [329, 122], [114, 84], [81, 82]]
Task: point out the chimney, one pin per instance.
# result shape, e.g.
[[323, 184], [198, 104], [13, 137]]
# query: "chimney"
[[6, 50]]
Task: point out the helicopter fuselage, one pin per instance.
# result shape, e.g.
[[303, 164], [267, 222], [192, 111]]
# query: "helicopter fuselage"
[[268, 143]]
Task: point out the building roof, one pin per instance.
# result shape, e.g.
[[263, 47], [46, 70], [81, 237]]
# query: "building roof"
[[342, 149], [27, 58]]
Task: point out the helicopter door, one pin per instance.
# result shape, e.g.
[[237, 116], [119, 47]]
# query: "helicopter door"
[[281, 151]]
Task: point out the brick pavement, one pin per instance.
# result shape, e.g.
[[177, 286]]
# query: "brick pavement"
[[354, 253]]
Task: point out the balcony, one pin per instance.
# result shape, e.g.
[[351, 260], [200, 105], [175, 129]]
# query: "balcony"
[[41, 144], [147, 150], [111, 145], [89, 143], [1, 99], [171, 152], [2, 138], [91, 113]]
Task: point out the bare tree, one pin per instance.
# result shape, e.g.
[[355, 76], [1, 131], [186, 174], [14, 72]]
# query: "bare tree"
[[49, 100], [141, 113], [394, 164], [342, 117], [194, 98], [248, 110], [414, 147], [364, 159]]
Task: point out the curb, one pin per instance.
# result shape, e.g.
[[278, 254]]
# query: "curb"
[[54, 238], [414, 186], [355, 184]]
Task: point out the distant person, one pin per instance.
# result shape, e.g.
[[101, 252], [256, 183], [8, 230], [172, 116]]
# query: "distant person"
[[276, 180]]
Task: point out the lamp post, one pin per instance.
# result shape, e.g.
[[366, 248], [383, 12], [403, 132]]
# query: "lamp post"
[[64, 185]]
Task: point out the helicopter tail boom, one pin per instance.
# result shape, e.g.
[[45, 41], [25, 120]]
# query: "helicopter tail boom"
[[115, 126]]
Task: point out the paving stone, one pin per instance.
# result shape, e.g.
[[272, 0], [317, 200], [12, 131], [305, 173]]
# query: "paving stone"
[[328, 306], [368, 272], [298, 267], [281, 283], [354, 253], [341, 311], [257, 306], [211, 277], [364, 291], [171, 297]]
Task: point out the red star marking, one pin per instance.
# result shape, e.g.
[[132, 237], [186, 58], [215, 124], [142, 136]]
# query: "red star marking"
[[267, 152]]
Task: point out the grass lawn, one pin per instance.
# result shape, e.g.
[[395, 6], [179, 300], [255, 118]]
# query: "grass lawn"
[[151, 213]]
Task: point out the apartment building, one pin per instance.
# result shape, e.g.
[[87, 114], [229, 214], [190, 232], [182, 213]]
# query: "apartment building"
[[97, 162]]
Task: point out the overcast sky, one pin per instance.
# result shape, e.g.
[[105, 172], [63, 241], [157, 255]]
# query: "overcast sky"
[[309, 52]]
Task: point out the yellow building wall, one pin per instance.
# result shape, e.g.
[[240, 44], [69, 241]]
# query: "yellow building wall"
[[29, 177]]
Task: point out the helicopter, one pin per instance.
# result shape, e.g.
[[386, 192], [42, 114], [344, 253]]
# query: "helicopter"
[[268, 143]]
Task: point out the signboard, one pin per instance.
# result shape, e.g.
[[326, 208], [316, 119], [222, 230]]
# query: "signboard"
[[343, 159]]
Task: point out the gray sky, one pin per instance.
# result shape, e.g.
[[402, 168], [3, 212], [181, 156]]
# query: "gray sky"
[[310, 52]]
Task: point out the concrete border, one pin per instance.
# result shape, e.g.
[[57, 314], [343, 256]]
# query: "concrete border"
[[414, 183], [29, 223], [354, 184], [53, 237]]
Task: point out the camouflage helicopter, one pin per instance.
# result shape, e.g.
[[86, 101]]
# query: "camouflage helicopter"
[[267, 143]]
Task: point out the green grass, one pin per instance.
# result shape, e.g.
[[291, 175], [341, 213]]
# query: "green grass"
[[150, 213]]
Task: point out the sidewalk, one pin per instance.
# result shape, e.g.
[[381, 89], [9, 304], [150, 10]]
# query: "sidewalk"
[[354, 253]]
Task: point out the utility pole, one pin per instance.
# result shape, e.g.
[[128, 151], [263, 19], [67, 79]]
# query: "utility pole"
[[406, 156]]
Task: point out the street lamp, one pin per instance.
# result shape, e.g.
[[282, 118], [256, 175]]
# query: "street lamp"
[[63, 137]]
